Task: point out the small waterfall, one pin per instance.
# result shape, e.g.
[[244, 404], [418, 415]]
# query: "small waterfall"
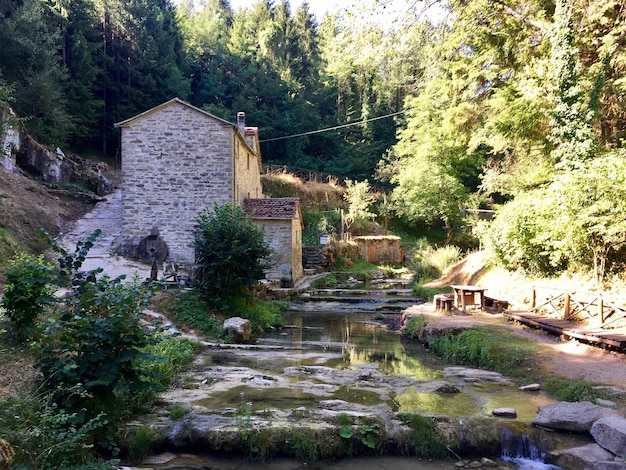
[[522, 450]]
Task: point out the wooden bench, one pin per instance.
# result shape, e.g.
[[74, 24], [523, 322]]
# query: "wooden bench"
[[496, 305], [444, 302]]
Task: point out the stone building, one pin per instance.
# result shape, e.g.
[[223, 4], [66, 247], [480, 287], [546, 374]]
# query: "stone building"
[[281, 218], [178, 160]]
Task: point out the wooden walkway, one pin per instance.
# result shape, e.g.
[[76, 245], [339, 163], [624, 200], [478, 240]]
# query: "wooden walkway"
[[598, 336], [593, 317]]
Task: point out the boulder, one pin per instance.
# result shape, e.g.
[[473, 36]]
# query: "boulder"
[[587, 457], [240, 328], [569, 416], [610, 433]]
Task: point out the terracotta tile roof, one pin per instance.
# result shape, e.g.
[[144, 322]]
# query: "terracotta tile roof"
[[272, 208]]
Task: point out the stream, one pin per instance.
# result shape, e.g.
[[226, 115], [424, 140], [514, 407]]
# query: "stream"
[[337, 352]]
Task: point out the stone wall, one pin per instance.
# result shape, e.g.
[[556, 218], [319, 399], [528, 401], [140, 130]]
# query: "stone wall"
[[286, 263], [247, 174], [296, 249], [176, 162]]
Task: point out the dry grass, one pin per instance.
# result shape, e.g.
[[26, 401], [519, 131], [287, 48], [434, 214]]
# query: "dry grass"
[[314, 195]]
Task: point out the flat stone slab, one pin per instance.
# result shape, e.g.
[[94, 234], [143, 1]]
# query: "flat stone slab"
[[505, 412]]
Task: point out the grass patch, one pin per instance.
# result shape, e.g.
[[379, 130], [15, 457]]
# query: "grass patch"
[[575, 390], [187, 310], [427, 294], [263, 314], [432, 262], [414, 326], [424, 439], [487, 348], [178, 411], [177, 353]]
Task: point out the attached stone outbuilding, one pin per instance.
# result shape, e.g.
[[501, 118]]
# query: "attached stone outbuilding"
[[281, 218], [178, 160]]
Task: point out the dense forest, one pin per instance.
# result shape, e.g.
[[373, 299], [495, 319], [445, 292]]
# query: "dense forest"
[[489, 103]]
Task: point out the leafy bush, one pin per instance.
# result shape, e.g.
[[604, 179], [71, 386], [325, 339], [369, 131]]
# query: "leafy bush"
[[91, 353], [47, 437], [97, 343], [232, 253], [27, 291]]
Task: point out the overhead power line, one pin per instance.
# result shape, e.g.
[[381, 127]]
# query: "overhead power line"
[[333, 128]]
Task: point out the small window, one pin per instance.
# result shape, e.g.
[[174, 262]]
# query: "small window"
[[248, 161]]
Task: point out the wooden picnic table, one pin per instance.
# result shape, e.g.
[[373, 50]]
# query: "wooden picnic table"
[[465, 296]]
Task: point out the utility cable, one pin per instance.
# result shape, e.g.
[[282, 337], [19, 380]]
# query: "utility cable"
[[333, 128]]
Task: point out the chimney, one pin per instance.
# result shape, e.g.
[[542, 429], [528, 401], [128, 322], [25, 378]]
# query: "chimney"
[[241, 122]]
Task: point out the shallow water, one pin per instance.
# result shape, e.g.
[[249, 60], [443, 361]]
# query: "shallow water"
[[360, 341], [315, 341]]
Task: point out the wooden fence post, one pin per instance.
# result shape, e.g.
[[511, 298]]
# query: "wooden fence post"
[[566, 307], [534, 299], [601, 316]]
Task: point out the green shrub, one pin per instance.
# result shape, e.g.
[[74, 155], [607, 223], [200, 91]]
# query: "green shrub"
[[27, 291], [90, 354], [232, 254], [45, 436], [97, 343]]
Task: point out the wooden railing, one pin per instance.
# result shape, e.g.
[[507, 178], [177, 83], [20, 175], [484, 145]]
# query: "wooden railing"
[[596, 308]]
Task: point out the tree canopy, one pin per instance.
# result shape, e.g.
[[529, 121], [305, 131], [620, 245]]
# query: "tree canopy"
[[482, 103]]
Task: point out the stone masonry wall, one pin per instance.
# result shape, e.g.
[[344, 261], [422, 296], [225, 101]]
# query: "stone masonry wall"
[[296, 249], [175, 163], [278, 233], [247, 174]]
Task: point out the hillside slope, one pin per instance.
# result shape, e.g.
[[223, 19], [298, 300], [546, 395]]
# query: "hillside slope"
[[27, 205]]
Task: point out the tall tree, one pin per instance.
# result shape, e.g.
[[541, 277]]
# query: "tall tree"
[[29, 61]]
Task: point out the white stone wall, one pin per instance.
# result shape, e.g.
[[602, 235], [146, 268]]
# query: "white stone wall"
[[175, 163]]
